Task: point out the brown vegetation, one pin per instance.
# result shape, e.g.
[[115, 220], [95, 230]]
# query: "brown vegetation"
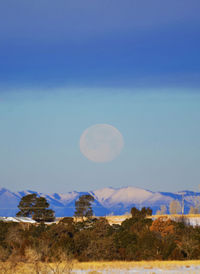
[[163, 226], [55, 246]]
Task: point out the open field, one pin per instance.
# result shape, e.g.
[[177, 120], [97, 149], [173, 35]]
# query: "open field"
[[191, 218], [176, 215], [120, 267], [120, 218]]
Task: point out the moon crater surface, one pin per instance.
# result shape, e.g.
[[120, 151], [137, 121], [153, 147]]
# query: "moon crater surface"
[[101, 143]]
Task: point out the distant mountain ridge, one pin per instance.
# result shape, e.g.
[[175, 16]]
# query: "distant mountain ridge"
[[107, 201]]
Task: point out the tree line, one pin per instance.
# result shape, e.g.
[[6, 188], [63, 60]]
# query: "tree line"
[[94, 239], [38, 208]]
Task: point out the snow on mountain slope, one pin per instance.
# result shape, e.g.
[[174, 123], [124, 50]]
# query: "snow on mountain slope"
[[107, 200], [127, 195], [104, 193], [65, 198], [8, 202], [158, 198]]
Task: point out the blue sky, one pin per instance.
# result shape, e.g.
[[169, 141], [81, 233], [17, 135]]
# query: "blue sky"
[[67, 65]]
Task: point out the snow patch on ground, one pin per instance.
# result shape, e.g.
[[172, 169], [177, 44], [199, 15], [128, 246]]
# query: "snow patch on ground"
[[175, 270]]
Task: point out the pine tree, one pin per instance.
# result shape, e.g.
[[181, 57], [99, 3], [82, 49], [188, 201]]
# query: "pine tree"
[[83, 206], [41, 211], [26, 205], [35, 207]]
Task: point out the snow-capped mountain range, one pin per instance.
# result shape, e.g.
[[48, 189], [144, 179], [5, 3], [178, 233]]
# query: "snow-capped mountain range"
[[107, 201]]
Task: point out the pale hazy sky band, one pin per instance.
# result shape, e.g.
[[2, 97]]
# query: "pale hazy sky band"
[[40, 140], [67, 65]]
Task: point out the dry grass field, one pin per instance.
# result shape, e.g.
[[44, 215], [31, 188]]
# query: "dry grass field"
[[117, 219], [120, 218], [176, 215]]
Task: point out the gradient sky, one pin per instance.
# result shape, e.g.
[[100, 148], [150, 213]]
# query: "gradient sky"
[[66, 65]]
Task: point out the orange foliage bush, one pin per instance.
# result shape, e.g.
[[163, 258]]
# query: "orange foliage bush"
[[163, 226]]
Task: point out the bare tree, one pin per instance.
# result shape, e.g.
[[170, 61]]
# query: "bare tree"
[[175, 207], [62, 266], [196, 208], [193, 210], [197, 204], [162, 210], [34, 257], [189, 246]]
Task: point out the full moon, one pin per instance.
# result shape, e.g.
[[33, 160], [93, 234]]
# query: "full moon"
[[101, 143]]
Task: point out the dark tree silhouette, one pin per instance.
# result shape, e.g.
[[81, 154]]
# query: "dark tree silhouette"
[[41, 211], [145, 211], [83, 206], [35, 207], [26, 205]]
